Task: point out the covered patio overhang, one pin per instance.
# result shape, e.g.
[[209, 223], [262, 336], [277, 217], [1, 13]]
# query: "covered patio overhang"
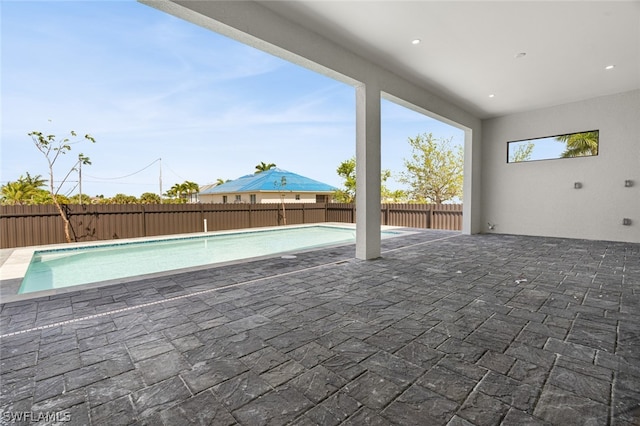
[[572, 81], [256, 25]]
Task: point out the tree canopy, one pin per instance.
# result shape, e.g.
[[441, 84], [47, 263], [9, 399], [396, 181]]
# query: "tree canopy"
[[263, 167], [25, 190], [183, 191], [522, 153], [434, 171], [580, 144], [347, 171], [52, 148]]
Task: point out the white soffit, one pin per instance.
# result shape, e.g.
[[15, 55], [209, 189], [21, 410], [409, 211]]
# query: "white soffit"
[[470, 50]]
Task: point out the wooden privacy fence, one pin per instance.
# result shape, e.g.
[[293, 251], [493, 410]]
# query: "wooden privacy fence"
[[431, 216], [22, 226]]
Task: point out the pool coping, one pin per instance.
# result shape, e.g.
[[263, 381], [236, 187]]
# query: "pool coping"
[[13, 270]]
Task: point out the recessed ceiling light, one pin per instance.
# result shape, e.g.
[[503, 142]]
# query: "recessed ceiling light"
[[492, 95], [609, 67], [520, 55], [416, 41]]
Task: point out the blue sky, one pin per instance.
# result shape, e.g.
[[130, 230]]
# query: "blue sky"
[[543, 148], [148, 85]]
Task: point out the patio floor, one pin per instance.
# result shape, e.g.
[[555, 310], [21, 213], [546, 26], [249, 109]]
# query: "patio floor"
[[444, 329]]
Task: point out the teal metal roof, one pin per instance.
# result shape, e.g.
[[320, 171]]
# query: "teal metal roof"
[[270, 181]]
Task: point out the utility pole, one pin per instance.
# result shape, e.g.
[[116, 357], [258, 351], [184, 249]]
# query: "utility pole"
[[80, 179], [160, 160]]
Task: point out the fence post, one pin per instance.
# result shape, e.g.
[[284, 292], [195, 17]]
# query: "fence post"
[[431, 216], [144, 220], [202, 219]]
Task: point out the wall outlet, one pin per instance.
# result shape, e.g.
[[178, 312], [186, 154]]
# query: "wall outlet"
[[626, 221]]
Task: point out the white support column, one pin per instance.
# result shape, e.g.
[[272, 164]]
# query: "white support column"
[[367, 172], [471, 215]]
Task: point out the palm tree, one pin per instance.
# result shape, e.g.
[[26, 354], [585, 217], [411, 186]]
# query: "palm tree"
[[580, 144], [191, 188], [35, 181], [149, 198], [220, 181], [177, 190], [263, 167], [16, 193], [22, 191], [123, 199], [171, 192]]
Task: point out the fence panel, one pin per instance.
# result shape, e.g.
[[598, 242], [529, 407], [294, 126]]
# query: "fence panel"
[[162, 219], [447, 216], [41, 224], [264, 214], [221, 217], [30, 225], [409, 215], [341, 212], [314, 213], [294, 213], [104, 222]]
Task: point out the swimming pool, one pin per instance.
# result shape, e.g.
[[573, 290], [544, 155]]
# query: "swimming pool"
[[59, 268]]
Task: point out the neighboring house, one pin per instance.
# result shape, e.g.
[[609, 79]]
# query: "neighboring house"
[[207, 187], [271, 186]]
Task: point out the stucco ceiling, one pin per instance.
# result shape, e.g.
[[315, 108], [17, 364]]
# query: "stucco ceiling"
[[470, 50]]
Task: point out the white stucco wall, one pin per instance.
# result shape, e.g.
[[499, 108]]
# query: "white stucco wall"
[[538, 197], [261, 198], [266, 198]]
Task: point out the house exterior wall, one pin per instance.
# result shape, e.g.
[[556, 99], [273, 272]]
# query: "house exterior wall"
[[261, 197], [539, 198], [265, 198]]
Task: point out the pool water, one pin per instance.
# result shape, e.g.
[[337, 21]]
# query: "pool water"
[[60, 268]]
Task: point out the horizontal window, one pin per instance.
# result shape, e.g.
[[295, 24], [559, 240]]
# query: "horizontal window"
[[583, 144]]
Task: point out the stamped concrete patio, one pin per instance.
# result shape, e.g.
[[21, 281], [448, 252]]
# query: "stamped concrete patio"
[[445, 329]]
